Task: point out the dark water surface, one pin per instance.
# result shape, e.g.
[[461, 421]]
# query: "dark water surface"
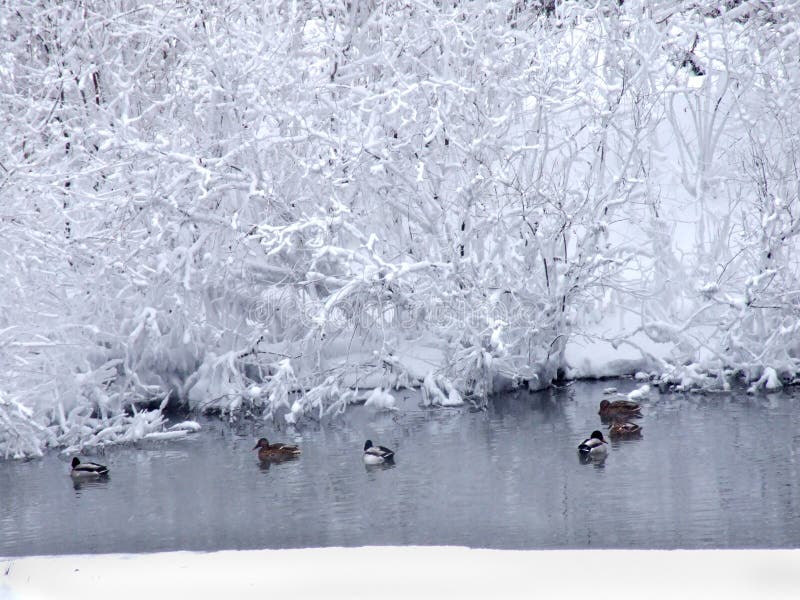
[[716, 471]]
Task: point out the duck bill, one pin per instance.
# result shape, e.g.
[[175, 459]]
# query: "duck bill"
[[256, 446]]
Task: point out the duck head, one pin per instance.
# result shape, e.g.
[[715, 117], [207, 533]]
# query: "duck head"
[[598, 435]]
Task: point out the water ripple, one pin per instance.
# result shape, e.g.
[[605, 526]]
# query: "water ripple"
[[709, 472]]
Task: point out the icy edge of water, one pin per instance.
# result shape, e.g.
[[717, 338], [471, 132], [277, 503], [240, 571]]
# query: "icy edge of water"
[[416, 368]]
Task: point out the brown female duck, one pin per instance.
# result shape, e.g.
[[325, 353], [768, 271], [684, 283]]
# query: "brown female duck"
[[620, 429], [619, 409], [267, 451]]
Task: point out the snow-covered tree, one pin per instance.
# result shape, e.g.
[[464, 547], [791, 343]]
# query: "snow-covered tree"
[[269, 207]]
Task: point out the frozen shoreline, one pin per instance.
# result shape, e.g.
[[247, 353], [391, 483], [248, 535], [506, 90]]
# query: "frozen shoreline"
[[405, 572]]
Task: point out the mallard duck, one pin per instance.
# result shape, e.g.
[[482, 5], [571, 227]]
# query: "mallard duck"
[[594, 445], [624, 429], [267, 451], [87, 469], [375, 455], [619, 408]]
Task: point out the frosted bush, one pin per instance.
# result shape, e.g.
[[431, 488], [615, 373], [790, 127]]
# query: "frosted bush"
[[366, 196]]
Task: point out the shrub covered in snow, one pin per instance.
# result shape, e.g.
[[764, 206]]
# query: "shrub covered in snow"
[[250, 207]]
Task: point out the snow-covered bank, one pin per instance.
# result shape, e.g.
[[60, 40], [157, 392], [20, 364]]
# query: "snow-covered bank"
[[353, 178], [386, 573]]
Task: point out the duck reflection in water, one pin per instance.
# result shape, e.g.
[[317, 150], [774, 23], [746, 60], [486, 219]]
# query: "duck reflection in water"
[[86, 484], [384, 466], [598, 462], [265, 463]]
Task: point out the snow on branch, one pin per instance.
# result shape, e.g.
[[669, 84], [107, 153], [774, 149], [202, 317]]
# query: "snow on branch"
[[260, 211]]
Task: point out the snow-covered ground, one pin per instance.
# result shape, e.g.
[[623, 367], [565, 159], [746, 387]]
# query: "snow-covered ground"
[[385, 573]]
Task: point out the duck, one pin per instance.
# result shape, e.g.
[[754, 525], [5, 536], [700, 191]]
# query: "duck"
[[267, 451], [376, 455], [594, 445], [624, 429], [619, 408], [87, 469]]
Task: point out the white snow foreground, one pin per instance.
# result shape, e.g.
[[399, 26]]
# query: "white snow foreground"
[[386, 573]]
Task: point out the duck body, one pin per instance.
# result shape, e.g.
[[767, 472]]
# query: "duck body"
[[267, 451], [87, 469], [594, 445], [619, 408], [376, 455], [621, 429]]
